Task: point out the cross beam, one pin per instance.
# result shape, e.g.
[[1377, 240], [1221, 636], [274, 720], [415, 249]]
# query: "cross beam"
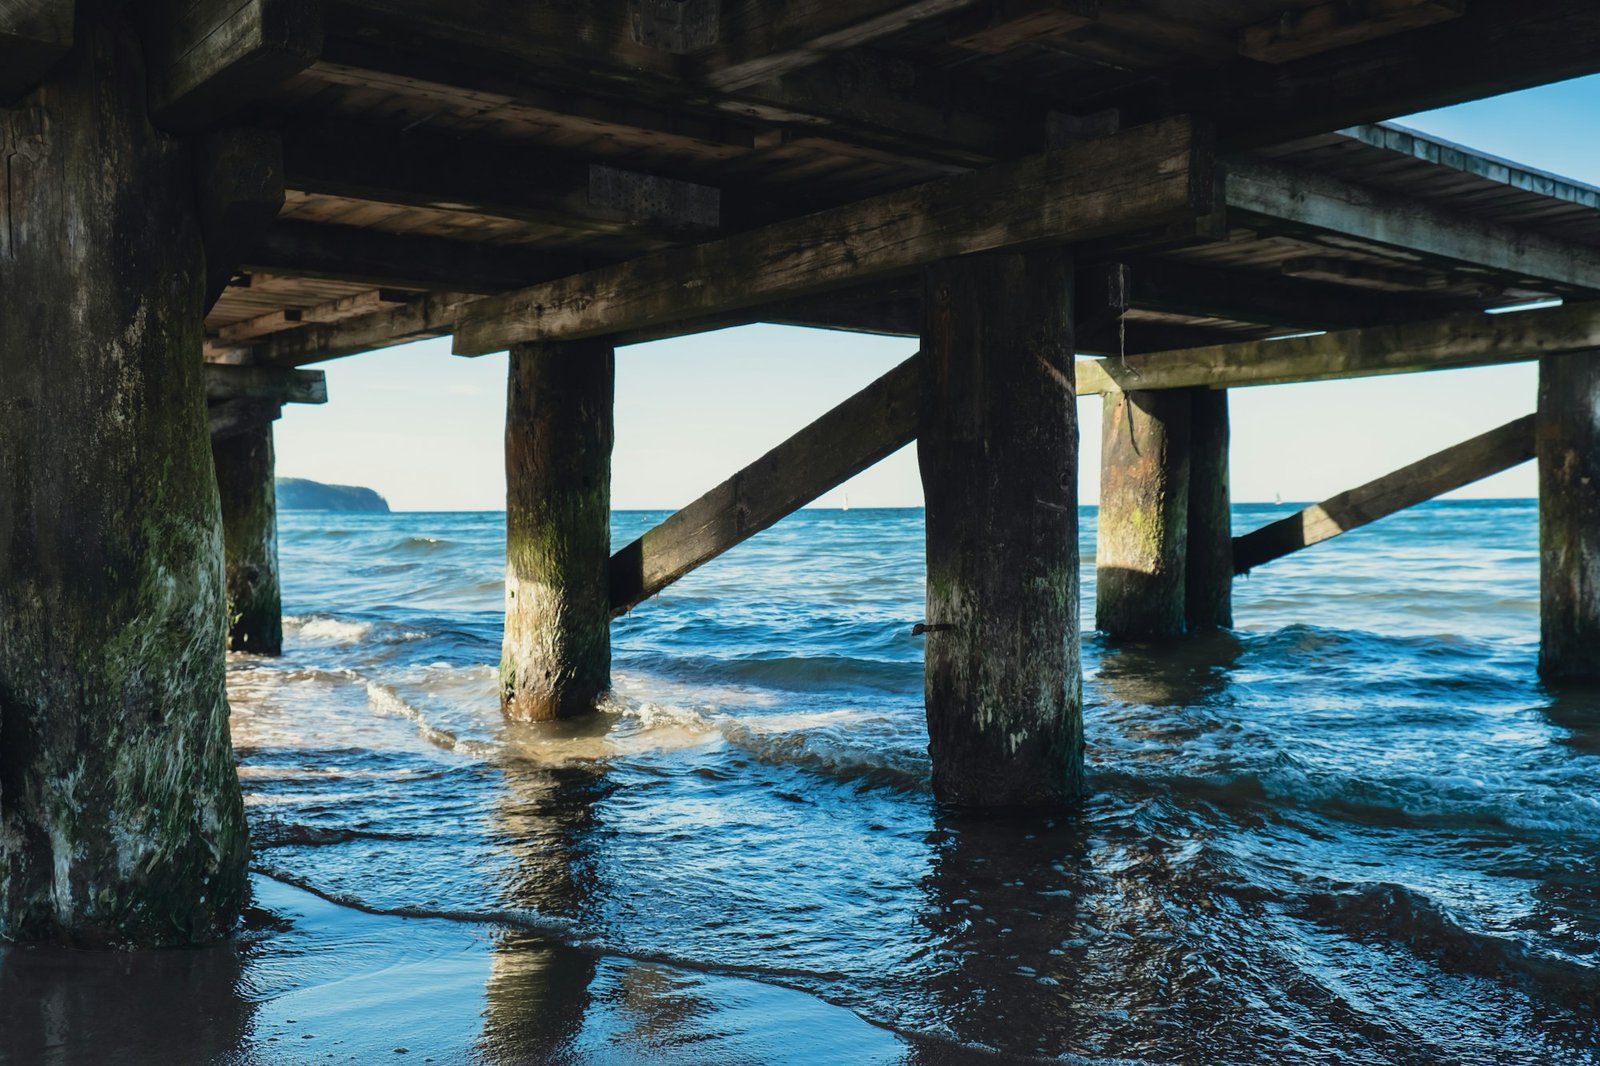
[[872, 424], [1150, 177], [1472, 460]]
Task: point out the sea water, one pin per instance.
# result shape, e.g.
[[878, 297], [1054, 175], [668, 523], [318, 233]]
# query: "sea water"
[[1357, 829]]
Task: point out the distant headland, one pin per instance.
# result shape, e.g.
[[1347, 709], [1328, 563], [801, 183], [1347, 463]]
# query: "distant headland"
[[300, 494]]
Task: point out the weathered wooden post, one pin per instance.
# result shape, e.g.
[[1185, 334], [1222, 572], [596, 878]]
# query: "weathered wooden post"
[[998, 447], [1567, 436], [120, 813], [556, 659], [244, 459], [1208, 578], [1142, 549]]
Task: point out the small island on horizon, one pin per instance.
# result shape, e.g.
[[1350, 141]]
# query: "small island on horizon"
[[303, 494]]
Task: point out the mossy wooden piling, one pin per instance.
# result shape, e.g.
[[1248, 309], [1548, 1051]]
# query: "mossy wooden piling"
[[998, 451], [245, 466], [556, 658], [1567, 440], [121, 820]]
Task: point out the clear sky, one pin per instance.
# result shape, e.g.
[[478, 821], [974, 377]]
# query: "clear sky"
[[424, 428]]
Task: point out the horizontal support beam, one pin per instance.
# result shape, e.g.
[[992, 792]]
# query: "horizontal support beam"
[[225, 382], [760, 40], [874, 423], [1320, 204], [430, 315], [34, 35], [209, 58], [1473, 339], [1149, 177], [1473, 460], [402, 260], [1324, 27], [504, 180], [352, 306], [1496, 46]]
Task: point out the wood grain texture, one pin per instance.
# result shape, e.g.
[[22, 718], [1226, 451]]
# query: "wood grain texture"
[[998, 449], [1568, 443], [1143, 541], [1145, 177], [121, 820], [556, 658]]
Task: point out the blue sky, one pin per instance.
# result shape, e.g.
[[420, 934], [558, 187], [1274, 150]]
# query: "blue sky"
[[424, 427]]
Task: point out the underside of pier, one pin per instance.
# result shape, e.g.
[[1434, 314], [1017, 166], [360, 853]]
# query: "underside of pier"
[[1133, 198]]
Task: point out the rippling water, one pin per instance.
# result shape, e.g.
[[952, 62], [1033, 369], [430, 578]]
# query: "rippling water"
[[1355, 830]]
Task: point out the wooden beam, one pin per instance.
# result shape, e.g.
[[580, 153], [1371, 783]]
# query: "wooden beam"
[[402, 260], [1494, 47], [869, 98], [1295, 34], [875, 422], [208, 58], [1473, 460], [239, 178], [760, 40], [225, 382], [1148, 177], [34, 35], [998, 27], [431, 315], [1319, 204], [497, 178], [1472, 339], [353, 306]]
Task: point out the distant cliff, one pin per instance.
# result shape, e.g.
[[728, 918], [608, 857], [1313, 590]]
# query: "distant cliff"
[[298, 494]]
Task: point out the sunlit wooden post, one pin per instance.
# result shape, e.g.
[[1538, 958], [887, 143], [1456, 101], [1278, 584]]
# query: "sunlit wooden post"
[[556, 659], [1567, 436], [1143, 539], [998, 448]]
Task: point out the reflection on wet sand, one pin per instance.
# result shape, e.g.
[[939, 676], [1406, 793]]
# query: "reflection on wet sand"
[[60, 1007]]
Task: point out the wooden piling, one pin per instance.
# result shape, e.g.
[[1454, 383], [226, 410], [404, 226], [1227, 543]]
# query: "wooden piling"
[[121, 821], [556, 659], [1142, 548], [244, 460], [998, 453], [1567, 438], [1208, 577]]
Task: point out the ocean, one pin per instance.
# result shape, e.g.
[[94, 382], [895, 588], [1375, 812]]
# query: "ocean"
[[1357, 829]]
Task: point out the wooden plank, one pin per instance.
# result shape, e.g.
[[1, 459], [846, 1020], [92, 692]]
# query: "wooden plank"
[[225, 382], [400, 260], [1150, 176], [1324, 27], [997, 28], [357, 304], [1439, 344], [489, 177], [872, 424], [761, 40], [1472, 460], [430, 315], [208, 58], [1494, 47], [875, 99], [34, 35], [1320, 204]]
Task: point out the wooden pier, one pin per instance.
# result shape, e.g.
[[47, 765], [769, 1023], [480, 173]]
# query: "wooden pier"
[[1132, 198]]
